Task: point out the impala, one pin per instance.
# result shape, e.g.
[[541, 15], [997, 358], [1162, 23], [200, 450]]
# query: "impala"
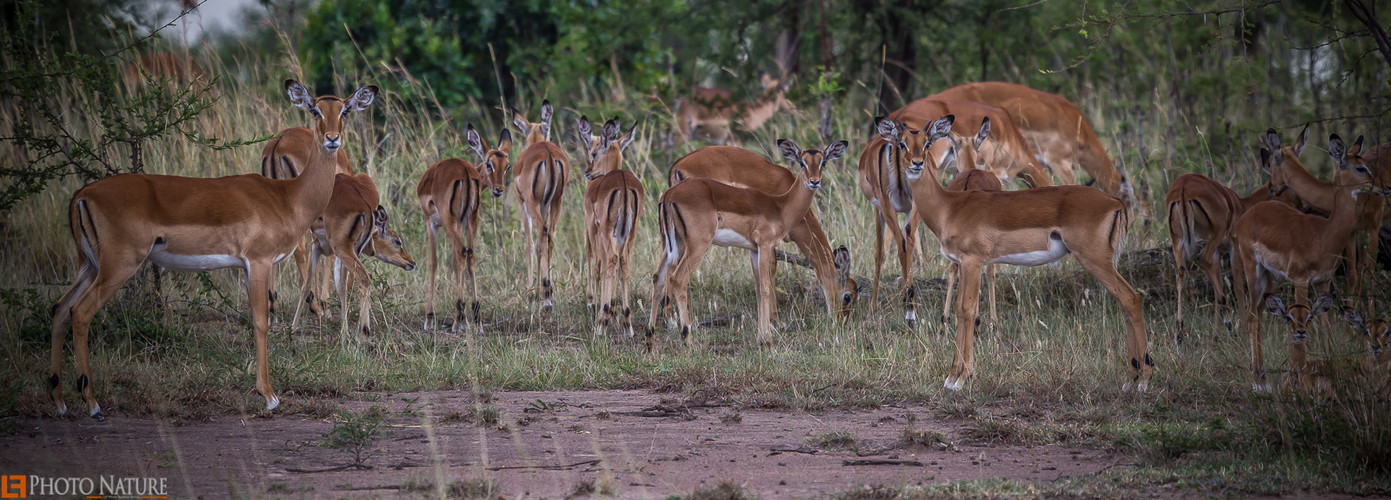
[[1058, 132], [972, 179], [542, 170], [612, 204], [1361, 254], [449, 195], [745, 169], [1026, 228], [1275, 239], [698, 213], [884, 180], [1298, 317], [1201, 209], [354, 225], [192, 224], [285, 158], [712, 111], [1008, 154]]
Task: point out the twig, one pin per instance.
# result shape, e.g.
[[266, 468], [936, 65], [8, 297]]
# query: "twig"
[[330, 469], [157, 30], [546, 467], [802, 450]]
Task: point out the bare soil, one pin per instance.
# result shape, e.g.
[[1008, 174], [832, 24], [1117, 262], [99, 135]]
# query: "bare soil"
[[635, 444]]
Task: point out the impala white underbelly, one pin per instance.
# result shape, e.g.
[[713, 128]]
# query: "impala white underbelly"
[[1055, 251], [728, 238], [180, 262]]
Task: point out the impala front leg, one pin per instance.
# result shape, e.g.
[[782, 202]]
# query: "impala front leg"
[[907, 250], [258, 282], [967, 307]]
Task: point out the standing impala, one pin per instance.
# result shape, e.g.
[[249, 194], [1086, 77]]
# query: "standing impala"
[[449, 194], [1027, 228], [612, 204], [354, 225], [743, 168], [1058, 132], [972, 179], [193, 224], [1202, 209], [542, 170], [1008, 155], [1274, 239], [698, 213]]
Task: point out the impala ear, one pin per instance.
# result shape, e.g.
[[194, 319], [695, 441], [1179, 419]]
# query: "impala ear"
[[887, 128], [586, 137], [1322, 305], [1265, 161], [790, 151], [842, 260], [299, 96], [1298, 146], [1338, 151], [984, 132], [629, 137], [519, 121], [379, 218], [610, 133], [1353, 318], [950, 163], [360, 99], [546, 113], [504, 141], [939, 128], [835, 151], [475, 142], [1356, 149], [1275, 306]]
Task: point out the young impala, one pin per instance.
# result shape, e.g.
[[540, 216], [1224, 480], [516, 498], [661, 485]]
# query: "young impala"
[[1276, 240], [192, 224], [450, 193], [1026, 228], [354, 225], [612, 204], [972, 179], [698, 213], [542, 171]]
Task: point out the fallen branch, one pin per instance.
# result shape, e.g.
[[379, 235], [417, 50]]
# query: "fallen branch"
[[370, 488], [330, 469], [546, 467], [913, 463], [803, 450]]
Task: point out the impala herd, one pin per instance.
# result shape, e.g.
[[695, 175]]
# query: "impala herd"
[[309, 203]]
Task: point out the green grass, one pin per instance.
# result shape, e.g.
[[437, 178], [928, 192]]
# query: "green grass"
[[1052, 373]]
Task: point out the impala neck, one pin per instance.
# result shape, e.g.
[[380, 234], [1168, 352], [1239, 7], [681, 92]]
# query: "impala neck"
[[1260, 194], [1307, 187], [934, 207], [1342, 220], [794, 203], [311, 191]]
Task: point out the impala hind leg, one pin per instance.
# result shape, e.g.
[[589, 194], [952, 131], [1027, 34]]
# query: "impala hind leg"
[[907, 249], [62, 318], [1103, 268], [967, 307], [1209, 262], [431, 241], [108, 281], [878, 255], [357, 274], [765, 263], [990, 282], [953, 270]]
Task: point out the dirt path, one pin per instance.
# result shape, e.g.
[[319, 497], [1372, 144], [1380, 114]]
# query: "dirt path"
[[544, 444]]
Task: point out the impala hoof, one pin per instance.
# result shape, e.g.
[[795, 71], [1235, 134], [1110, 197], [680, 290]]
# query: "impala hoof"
[[1260, 388], [62, 408], [272, 402], [953, 383], [96, 413]]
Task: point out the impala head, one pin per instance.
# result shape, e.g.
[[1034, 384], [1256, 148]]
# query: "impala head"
[[1298, 315], [912, 144], [1274, 157], [604, 153], [1376, 332], [385, 244], [1350, 160], [535, 132], [959, 155], [812, 160], [850, 289], [494, 163], [329, 111]]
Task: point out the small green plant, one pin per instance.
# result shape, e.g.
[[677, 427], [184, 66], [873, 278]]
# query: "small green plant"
[[835, 440], [489, 415], [726, 490], [356, 434]]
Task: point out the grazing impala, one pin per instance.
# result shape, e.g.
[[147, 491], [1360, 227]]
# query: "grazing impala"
[[1058, 132], [711, 112], [542, 170], [450, 193], [1201, 209], [745, 169], [698, 213], [1275, 239], [1026, 228], [354, 225], [192, 224], [1008, 155], [884, 180], [612, 203]]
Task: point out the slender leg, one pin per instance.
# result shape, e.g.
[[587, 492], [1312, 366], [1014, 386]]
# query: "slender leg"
[[878, 254], [990, 279], [1180, 272], [258, 281], [907, 249], [967, 306], [1103, 269], [431, 240], [767, 304], [358, 273], [952, 271], [62, 317], [1208, 259]]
